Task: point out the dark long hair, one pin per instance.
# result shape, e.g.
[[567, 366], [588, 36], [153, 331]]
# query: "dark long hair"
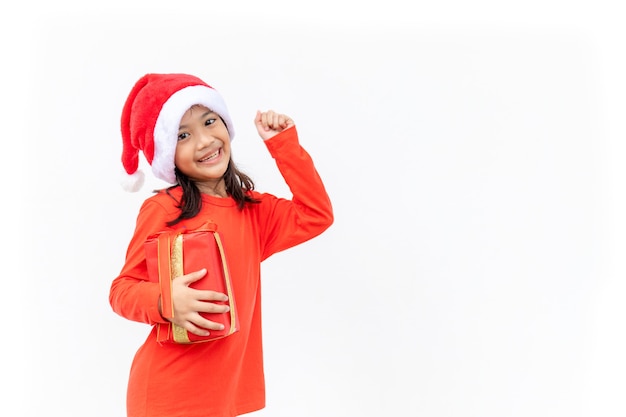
[[238, 186]]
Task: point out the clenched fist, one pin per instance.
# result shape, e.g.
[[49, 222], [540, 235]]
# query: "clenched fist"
[[270, 123]]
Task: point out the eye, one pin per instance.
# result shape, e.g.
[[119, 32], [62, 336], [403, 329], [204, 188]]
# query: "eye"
[[182, 136], [209, 121]]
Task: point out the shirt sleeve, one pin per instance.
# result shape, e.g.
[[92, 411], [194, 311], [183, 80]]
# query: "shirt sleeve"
[[289, 222], [132, 295]]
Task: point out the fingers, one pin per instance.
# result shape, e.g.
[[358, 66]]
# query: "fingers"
[[189, 303], [195, 316], [270, 120], [184, 293], [192, 277], [201, 326], [198, 323], [207, 295]]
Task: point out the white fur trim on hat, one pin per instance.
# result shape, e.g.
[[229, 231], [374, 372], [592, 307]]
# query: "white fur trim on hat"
[[168, 123]]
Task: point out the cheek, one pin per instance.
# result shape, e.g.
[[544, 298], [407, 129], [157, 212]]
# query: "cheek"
[[179, 154]]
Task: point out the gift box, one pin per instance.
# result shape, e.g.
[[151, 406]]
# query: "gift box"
[[171, 254]]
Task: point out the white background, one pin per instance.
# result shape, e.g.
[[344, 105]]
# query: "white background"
[[473, 153]]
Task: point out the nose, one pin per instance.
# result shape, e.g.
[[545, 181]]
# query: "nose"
[[204, 139]]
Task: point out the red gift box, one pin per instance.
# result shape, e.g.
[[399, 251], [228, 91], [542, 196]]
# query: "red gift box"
[[171, 254]]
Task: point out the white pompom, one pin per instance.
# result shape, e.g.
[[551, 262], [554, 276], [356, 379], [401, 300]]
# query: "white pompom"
[[133, 183]]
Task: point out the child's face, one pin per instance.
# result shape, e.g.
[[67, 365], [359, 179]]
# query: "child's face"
[[203, 147]]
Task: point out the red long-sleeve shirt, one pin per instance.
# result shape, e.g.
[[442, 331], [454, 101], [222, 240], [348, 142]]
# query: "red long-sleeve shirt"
[[224, 377]]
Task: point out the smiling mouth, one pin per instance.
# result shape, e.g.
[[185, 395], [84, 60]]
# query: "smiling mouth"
[[210, 157]]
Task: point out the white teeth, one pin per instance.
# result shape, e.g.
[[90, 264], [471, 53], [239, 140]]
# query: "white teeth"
[[212, 156]]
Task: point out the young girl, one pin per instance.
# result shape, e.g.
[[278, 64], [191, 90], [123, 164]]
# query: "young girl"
[[183, 128]]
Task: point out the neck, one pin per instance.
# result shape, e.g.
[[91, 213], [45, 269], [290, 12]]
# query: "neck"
[[217, 190]]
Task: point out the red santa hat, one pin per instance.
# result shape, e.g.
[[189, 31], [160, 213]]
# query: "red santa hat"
[[151, 118]]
